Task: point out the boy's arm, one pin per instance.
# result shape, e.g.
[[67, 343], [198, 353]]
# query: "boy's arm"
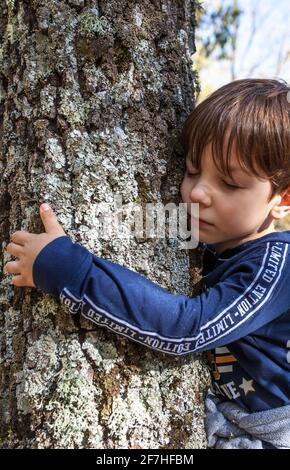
[[131, 305]]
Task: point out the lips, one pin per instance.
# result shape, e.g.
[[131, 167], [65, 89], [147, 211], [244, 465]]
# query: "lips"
[[200, 220], [204, 221]]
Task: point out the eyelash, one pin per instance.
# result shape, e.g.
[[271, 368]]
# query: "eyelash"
[[231, 186]]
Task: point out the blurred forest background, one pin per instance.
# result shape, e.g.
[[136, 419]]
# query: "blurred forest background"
[[242, 39]]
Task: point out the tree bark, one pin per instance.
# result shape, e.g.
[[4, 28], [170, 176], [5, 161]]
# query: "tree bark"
[[93, 95]]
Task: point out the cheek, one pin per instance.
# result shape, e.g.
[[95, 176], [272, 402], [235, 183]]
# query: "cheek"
[[233, 211], [184, 189], [238, 212]]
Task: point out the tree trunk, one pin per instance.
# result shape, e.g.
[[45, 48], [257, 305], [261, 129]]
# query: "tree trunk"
[[93, 95]]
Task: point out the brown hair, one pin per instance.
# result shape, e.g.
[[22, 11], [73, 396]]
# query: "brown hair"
[[253, 115]]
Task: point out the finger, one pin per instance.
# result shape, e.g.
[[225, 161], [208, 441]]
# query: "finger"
[[19, 281], [14, 249], [50, 221], [12, 267], [20, 237]]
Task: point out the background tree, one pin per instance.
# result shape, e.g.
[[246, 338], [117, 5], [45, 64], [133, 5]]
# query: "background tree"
[[218, 29], [229, 31], [93, 95]]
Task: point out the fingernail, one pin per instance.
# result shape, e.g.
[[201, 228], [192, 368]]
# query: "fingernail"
[[44, 207]]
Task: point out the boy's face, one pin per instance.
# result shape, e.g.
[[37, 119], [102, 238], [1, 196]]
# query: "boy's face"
[[234, 214]]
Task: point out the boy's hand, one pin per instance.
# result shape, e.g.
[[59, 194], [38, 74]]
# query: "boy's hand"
[[26, 247]]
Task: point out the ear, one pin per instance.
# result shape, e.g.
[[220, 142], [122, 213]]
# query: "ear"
[[281, 207]]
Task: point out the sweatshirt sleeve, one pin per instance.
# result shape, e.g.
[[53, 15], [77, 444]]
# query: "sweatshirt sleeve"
[[127, 303]]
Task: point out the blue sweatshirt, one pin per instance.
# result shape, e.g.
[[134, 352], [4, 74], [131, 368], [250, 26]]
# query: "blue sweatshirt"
[[242, 318]]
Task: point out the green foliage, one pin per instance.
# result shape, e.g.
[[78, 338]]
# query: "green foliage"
[[218, 27]]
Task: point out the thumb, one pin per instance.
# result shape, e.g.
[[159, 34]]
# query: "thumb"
[[49, 220]]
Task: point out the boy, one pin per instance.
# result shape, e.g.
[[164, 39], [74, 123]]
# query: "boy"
[[237, 147]]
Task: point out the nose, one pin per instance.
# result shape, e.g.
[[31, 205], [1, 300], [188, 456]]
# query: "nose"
[[199, 194]]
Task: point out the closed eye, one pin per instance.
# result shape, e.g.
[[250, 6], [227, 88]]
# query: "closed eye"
[[191, 174], [231, 185], [228, 185]]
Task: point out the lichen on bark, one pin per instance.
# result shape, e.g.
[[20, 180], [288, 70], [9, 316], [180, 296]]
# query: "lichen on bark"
[[92, 99]]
